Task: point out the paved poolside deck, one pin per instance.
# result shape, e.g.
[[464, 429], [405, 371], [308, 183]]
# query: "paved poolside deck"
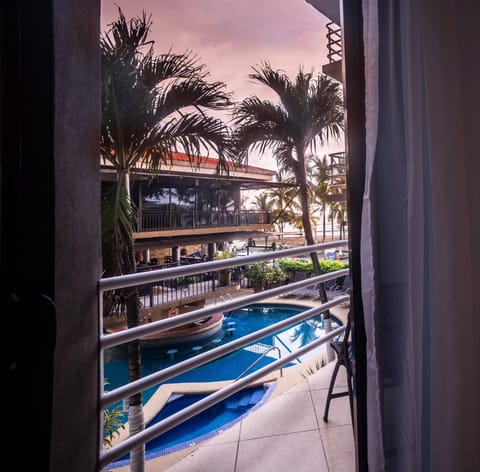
[[284, 435]]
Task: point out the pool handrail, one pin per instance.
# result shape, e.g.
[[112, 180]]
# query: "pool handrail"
[[258, 359]]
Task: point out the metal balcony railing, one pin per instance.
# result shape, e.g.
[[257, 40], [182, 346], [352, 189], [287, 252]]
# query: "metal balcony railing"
[[109, 455], [152, 219], [334, 43], [182, 289]]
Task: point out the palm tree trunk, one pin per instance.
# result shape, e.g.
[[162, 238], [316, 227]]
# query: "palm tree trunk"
[[307, 226], [332, 212], [324, 218], [136, 422]]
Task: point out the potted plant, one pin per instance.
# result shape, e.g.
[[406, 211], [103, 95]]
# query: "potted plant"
[[262, 276], [224, 275], [255, 277], [274, 276]]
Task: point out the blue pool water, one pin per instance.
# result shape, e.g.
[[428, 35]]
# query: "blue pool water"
[[202, 426], [244, 321]]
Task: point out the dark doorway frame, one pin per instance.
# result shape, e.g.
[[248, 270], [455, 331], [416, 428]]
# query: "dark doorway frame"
[[354, 95]]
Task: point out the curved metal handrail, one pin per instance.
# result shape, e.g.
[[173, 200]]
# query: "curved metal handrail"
[[256, 361]]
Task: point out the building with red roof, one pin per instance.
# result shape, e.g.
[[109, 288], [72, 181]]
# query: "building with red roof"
[[189, 203]]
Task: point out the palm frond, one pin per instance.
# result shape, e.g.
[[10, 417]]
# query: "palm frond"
[[191, 93], [194, 134], [277, 80], [253, 110], [145, 96], [118, 216], [310, 112], [157, 69]]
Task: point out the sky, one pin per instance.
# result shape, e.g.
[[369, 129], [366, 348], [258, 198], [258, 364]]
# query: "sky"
[[231, 36]]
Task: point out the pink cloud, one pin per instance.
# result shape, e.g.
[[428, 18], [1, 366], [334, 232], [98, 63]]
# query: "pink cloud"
[[231, 36]]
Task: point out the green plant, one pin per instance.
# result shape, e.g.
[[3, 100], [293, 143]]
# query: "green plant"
[[262, 276], [224, 255], [192, 279], [290, 266], [331, 266], [224, 275], [255, 276], [273, 275], [310, 370], [112, 422]]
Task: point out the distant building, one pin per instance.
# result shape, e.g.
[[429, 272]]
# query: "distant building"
[[189, 203]]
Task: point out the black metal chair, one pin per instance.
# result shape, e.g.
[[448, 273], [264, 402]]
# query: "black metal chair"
[[343, 350]]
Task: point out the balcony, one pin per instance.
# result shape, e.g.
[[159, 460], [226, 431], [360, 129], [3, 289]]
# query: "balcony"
[[337, 187], [288, 426], [154, 222], [334, 55]]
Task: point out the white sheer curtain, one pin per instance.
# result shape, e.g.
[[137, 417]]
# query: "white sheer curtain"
[[421, 234]]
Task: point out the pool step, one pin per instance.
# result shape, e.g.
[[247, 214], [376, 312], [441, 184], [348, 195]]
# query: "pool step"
[[246, 400], [257, 395]]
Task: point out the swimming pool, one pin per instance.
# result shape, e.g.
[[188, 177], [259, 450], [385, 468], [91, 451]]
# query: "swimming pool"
[[203, 426], [237, 323]]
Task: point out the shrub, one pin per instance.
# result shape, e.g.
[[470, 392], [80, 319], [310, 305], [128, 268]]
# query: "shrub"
[[290, 266], [262, 276], [224, 275], [273, 275], [224, 255], [255, 276], [331, 266]]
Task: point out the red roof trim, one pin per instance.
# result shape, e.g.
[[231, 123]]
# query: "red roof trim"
[[182, 157]]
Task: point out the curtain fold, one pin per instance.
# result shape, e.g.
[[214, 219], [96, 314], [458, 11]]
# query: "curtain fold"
[[421, 233]]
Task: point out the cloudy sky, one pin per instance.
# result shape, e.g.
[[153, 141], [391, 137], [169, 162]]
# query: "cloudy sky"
[[231, 36]]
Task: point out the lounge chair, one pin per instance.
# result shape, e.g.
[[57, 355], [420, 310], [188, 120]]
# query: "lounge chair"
[[344, 289], [312, 291], [298, 276]]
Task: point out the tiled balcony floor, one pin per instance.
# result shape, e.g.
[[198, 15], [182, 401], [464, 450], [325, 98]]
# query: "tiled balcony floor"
[[287, 434]]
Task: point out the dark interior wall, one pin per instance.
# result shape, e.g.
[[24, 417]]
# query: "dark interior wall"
[[354, 93], [50, 121], [77, 233], [27, 286]]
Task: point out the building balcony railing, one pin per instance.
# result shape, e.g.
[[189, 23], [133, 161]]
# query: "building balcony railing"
[[334, 43], [182, 290], [334, 52], [161, 277], [152, 219]]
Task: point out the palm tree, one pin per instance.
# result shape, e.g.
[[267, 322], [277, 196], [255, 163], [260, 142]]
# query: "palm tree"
[[263, 202], [309, 113], [152, 106], [284, 201], [320, 176]]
